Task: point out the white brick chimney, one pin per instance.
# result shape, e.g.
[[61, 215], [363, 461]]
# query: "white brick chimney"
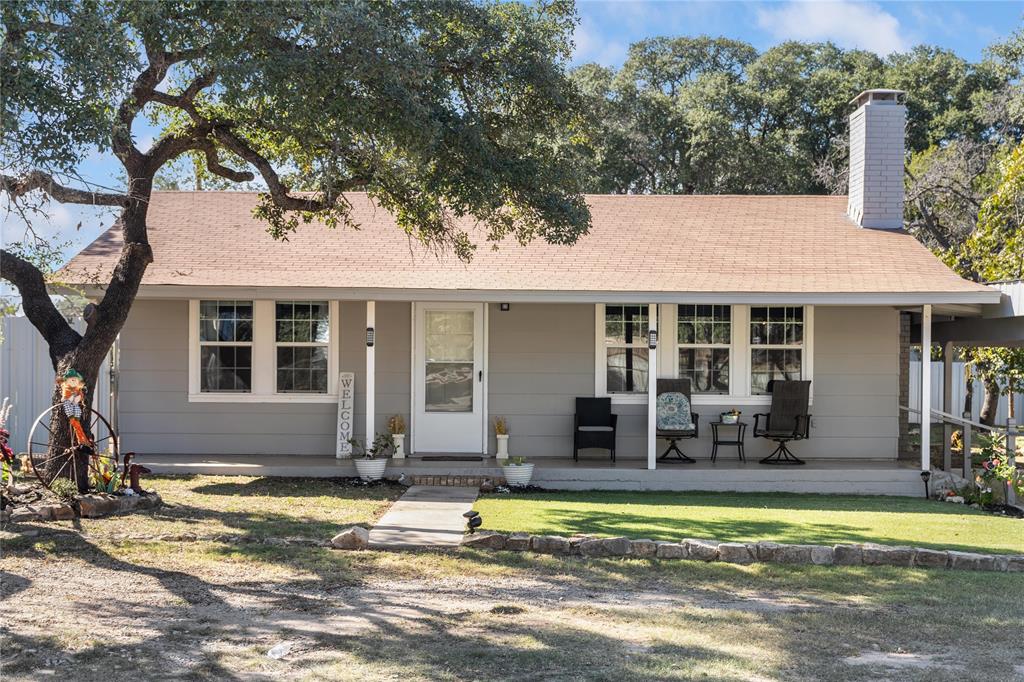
[[876, 159]]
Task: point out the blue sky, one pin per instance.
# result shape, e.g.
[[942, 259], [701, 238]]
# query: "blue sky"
[[607, 28]]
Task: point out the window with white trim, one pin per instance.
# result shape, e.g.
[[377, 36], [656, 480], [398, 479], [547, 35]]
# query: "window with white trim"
[[776, 345], [626, 352], [704, 346], [263, 351], [225, 346], [301, 339]]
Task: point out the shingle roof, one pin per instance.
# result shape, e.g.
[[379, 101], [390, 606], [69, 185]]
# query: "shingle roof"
[[759, 244]]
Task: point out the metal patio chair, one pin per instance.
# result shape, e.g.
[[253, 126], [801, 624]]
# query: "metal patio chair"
[[789, 419]]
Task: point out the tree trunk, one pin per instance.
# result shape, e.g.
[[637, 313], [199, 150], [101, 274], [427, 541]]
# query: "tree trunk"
[[990, 406], [60, 448]]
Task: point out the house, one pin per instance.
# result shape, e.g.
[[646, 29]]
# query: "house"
[[235, 343]]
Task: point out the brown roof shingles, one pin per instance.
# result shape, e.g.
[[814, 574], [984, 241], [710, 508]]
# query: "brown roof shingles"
[[757, 244]]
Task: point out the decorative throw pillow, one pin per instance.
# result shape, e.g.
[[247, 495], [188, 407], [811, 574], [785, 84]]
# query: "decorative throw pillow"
[[674, 412]]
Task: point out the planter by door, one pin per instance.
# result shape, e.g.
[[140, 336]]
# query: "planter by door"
[[518, 474], [370, 469], [502, 446], [399, 441]]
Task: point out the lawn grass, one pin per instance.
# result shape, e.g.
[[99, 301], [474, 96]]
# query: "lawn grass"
[[748, 517], [250, 506]]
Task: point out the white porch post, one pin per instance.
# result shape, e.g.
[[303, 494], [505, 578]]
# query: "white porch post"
[[652, 391], [371, 370], [947, 405], [926, 387]]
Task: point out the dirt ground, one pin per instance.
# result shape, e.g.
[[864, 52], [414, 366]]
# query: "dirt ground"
[[78, 609]]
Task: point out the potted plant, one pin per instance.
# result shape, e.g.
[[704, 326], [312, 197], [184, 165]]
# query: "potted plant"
[[518, 471], [501, 435], [731, 417], [371, 461], [396, 427]]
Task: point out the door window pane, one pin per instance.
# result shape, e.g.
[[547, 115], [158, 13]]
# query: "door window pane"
[[449, 387], [449, 335]]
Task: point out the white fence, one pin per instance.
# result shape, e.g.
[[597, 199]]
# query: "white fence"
[[959, 392], [27, 378]]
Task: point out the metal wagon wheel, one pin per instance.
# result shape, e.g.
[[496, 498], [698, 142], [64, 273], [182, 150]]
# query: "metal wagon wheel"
[[104, 458]]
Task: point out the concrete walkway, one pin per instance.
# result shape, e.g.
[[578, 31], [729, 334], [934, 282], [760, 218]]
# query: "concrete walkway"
[[425, 516]]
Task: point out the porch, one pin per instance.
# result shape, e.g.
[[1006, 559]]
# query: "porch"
[[852, 476]]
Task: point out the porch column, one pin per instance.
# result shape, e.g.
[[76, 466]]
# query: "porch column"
[[947, 405], [652, 388], [926, 387], [371, 370]]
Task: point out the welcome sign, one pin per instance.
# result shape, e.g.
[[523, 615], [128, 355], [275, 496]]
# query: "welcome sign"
[[346, 407]]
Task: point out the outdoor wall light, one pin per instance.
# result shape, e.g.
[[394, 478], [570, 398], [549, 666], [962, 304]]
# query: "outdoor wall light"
[[652, 339], [370, 337], [504, 307], [926, 476]]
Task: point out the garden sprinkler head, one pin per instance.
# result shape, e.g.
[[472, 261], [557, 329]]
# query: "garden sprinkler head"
[[926, 476]]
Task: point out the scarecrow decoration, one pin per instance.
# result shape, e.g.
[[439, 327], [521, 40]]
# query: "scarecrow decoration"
[[72, 390]]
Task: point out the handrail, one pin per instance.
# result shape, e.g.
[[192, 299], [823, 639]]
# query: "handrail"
[[957, 420]]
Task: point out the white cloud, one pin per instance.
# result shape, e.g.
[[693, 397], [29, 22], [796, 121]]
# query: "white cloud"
[[591, 46], [849, 24]]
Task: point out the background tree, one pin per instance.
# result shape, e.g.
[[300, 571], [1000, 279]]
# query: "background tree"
[[436, 108]]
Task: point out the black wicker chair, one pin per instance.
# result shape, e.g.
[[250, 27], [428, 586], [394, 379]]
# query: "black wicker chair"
[[673, 436], [594, 426], [789, 419]]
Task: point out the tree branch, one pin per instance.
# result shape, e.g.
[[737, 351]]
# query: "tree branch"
[[214, 165], [36, 302], [17, 187]]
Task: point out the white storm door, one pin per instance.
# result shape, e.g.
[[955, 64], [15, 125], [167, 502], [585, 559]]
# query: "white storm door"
[[448, 376]]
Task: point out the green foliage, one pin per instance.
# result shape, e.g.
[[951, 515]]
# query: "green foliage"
[[381, 446], [714, 116], [996, 249], [64, 488], [437, 108]]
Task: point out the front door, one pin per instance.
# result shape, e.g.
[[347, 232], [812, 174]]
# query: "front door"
[[449, 378]]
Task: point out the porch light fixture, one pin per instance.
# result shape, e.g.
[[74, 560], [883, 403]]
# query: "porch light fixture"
[[652, 339], [503, 307], [925, 476], [370, 337]]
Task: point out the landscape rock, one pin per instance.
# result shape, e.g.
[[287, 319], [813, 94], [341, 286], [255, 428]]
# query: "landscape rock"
[[671, 550], [484, 540], [24, 514], [931, 558], [487, 486], [737, 553], [766, 550], [969, 561], [822, 556], [549, 544], [701, 550], [605, 547], [847, 555], [518, 542], [793, 554], [883, 555], [63, 512], [1015, 564], [644, 548], [94, 506], [355, 537]]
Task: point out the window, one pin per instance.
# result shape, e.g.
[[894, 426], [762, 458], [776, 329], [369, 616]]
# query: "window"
[[703, 344], [626, 352], [225, 346], [776, 345], [263, 351], [301, 337]]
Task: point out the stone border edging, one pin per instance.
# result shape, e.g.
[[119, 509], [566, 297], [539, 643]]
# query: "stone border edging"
[[91, 506], [867, 554]]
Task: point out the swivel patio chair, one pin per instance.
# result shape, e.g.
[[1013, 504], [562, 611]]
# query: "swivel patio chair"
[[594, 426], [789, 419], [674, 419]]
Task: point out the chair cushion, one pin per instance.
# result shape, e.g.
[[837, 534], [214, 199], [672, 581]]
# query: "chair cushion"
[[595, 428], [674, 412]]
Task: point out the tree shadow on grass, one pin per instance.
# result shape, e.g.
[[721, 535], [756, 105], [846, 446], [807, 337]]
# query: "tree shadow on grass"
[[279, 486]]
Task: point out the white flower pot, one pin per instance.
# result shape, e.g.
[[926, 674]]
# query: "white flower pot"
[[518, 474], [502, 446], [370, 469], [399, 441]]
